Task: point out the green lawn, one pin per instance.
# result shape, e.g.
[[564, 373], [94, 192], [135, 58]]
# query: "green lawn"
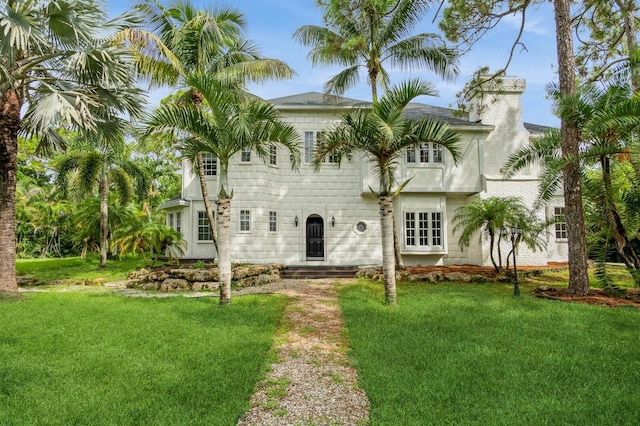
[[98, 359], [75, 268], [474, 354]]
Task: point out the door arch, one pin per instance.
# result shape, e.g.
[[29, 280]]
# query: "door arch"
[[315, 237]]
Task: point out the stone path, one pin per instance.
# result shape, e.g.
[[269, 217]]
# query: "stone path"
[[312, 383]]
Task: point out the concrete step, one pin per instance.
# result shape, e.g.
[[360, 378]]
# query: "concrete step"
[[313, 272]]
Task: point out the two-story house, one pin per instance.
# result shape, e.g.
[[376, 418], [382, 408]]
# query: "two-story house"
[[330, 217]]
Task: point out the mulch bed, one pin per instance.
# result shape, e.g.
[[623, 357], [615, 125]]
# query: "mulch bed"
[[596, 296]]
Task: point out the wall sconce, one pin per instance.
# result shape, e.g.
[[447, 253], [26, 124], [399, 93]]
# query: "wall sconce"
[[333, 221], [295, 220], [349, 157]]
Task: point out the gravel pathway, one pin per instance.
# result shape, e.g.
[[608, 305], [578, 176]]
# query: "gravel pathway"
[[312, 382]]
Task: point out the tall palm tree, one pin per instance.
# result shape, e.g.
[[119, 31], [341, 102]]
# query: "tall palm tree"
[[101, 167], [58, 68], [486, 217], [184, 40], [364, 35], [226, 123], [383, 134]]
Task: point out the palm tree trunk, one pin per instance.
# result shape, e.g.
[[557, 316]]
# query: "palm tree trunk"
[[104, 217], [492, 244], [205, 197], [629, 21], [224, 252], [572, 178], [388, 258], [9, 127]]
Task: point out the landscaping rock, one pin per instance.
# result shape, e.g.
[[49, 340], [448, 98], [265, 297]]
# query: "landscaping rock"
[[173, 284]]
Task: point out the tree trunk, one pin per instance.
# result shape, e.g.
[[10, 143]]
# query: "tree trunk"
[[9, 127], [492, 244], [388, 258], [104, 217], [578, 278], [618, 230], [628, 10], [207, 204], [224, 251]]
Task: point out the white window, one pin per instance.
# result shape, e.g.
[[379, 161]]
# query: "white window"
[[273, 154], [245, 155], [560, 223], [209, 164], [174, 220], [245, 221], [308, 146], [273, 221], [204, 230], [425, 153], [423, 229]]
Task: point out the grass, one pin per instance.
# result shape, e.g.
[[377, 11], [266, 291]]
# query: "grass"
[[93, 358], [75, 268], [474, 354]]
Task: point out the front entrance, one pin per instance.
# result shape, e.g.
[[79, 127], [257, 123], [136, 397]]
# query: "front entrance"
[[315, 238]]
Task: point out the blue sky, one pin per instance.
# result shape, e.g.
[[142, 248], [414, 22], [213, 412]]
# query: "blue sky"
[[271, 24]]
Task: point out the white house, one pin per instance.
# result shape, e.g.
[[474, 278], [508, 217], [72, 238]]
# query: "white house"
[[331, 217]]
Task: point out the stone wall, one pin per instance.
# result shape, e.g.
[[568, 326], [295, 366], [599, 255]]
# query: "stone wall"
[[170, 279]]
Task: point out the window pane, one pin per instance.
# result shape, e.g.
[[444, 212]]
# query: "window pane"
[[308, 146], [209, 164], [245, 220], [273, 155], [410, 229], [561, 223], [178, 222], [273, 221], [204, 231], [424, 152], [423, 227], [170, 220], [437, 153], [411, 155], [436, 229], [245, 155]]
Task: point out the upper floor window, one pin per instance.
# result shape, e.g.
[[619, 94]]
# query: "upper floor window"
[[423, 229], [209, 164], [273, 221], [273, 154], [245, 155], [560, 223], [245, 220], [204, 230], [425, 153], [309, 142]]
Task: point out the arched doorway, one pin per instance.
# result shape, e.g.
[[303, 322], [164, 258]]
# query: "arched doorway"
[[315, 238]]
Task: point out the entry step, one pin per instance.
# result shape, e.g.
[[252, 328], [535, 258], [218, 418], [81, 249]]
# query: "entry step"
[[313, 272]]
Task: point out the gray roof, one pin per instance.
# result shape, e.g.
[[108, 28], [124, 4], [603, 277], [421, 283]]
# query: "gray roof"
[[414, 110]]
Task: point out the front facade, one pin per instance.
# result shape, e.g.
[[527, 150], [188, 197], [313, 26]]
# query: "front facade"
[[330, 217]]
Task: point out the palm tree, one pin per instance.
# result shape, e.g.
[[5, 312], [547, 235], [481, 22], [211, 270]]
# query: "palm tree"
[[58, 68], [363, 35], [383, 134], [184, 40], [225, 124], [103, 166], [486, 217], [366, 34]]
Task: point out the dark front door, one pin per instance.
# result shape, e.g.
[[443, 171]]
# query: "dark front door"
[[315, 237]]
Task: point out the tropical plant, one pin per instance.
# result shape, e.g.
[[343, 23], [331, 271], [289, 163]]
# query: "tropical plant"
[[608, 119], [383, 134], [182, 40], [101, 165], [59, 67], [366, 34], [363, 35], [486, 217], [225, 124]]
